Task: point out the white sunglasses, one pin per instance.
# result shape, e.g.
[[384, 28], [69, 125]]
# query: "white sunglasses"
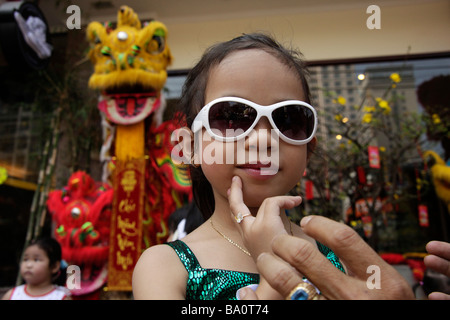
[[230, 119]]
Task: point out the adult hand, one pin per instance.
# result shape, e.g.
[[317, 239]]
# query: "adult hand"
[[356, 255], [439, 261]]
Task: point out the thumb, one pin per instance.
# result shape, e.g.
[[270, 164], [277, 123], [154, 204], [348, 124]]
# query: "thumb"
[[247, 293]]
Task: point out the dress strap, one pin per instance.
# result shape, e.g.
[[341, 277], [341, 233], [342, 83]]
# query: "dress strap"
[[185, 254]]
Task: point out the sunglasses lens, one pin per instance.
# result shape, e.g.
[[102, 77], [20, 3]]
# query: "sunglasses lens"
[[294, 121], [231, 118]]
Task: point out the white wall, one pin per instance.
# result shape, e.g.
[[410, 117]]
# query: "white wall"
[[339, 33]]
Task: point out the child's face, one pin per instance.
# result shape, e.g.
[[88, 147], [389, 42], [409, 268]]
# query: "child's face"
[[35, 266], [260, 77]]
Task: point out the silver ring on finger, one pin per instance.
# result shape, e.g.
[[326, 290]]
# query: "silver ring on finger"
[[239, 217]]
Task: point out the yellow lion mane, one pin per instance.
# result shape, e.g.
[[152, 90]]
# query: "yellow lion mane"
[[130, 55]]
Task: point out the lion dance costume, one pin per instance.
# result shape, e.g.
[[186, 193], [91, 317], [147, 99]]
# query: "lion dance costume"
[[81, 212], [130, 64], [440, 173]]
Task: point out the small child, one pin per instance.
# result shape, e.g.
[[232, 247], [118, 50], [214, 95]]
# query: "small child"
[[40, 268]]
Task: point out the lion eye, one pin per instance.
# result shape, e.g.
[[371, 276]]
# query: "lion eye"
[[158, 42]]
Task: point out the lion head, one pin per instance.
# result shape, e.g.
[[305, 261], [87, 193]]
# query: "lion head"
[[130, 65]]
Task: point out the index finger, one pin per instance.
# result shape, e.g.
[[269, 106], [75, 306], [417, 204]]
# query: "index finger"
[[439, 248], [236, 198], [304, 256], [356, 254]]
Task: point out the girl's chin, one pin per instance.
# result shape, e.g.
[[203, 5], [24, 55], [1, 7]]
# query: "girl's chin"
[[254, 201]]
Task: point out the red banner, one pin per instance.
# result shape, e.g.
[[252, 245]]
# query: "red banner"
[[126, 223], [374, 157], [309, 191], [423, 216], [361, 175]]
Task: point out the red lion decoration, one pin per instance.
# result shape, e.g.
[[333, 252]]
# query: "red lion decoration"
[[81, 211]]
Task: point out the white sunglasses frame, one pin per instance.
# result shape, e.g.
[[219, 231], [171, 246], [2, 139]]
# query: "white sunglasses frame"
[[201, 120]]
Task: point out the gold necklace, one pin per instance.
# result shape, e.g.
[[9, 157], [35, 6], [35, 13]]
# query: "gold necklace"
[[229, 240], [234, 243]]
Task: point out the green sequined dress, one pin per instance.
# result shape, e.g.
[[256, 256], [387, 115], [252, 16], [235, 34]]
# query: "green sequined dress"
[[219, 284]]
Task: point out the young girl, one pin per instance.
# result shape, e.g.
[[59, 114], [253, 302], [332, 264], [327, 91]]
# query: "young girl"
[[40, 267], [246, 96]]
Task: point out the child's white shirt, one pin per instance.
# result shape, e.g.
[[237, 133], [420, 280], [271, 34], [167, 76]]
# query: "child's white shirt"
[[20, 293]]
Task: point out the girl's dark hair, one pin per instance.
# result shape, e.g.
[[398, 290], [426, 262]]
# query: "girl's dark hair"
[[191, 213], [51, 247], [193, 94], [53, 250]]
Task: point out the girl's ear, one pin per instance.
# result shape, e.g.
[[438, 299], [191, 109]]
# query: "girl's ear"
[[56, 266], [182, 152]]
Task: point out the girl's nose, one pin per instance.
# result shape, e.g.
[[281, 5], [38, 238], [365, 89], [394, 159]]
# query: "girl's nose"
[[262, 136]]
